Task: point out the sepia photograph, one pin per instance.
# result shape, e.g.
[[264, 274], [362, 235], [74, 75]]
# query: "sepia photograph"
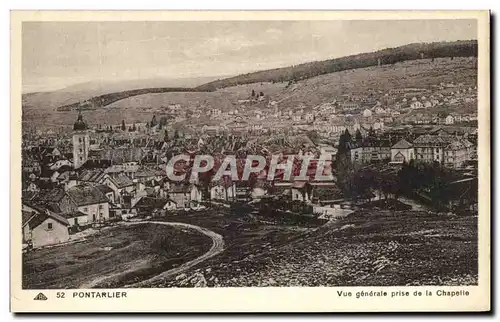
[[250, 153]]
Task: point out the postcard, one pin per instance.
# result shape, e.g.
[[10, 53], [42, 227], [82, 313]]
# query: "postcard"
[[250, 161]]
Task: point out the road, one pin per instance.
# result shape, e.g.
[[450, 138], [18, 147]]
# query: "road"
[[217, 247]]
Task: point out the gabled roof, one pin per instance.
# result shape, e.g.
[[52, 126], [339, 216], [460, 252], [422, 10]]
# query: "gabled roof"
[[121, 180], [83, 195], [73, 214], [402, 144], [104, 188], [54, 195], [26, 216], [39, 218], [149, 202], [92, 176], [180, 188]]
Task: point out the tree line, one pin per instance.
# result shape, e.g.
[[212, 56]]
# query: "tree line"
[[387, 56]]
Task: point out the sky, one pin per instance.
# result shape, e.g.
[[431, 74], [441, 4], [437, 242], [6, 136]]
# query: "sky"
[[60, 54]]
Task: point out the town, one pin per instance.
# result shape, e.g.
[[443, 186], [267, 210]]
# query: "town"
[[393, 149]]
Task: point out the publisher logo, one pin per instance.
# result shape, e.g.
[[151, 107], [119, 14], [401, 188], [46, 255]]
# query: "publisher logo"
[[40, 297]]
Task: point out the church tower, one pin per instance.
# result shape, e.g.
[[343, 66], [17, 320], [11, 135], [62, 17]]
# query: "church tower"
[[81, 142]]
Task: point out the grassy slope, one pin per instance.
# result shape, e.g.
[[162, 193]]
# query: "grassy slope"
[[144, 251], [370, 248]]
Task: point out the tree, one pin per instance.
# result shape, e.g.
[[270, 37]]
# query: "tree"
[[253, 93], [371, 132], [348, 138], [123, 125], [153, 121], [163, 121], [358, 136], [165, 138], [176, 134]]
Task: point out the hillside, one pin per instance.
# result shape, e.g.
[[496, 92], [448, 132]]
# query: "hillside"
[[85, 91], [387, 56], [309, 92], [106, 99]]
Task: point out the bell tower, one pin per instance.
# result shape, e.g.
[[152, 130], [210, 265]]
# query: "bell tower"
[[81, 142]]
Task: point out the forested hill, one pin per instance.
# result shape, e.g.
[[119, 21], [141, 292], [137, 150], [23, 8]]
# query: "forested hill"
[[106, 99], [462, 48]]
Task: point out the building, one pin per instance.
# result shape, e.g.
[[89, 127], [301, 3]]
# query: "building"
[[445, 149], [301, 191], [367, 113], [44, 228], [119, 183], [223, 191], [84, 198], [416, 105], [402, 151], [456, 153], [81, 142], [184, 195], [449, 120], [371, 149], [429, 148]]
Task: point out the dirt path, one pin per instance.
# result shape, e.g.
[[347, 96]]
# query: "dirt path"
[[217, 247]]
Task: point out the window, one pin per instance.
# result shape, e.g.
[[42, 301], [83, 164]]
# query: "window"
[[100, 206], [80, 140], [437, 149], [81, 150], [49, 225], [85, 209]]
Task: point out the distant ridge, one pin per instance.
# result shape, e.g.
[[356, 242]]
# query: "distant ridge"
[[461, 48], [106, 99]]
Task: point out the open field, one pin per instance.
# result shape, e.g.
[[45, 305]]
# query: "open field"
[[128, 254], [368, 248]]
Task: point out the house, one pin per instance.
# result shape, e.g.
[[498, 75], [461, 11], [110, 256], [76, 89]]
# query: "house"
[[107, 191], [154, 206], [309, 117], [445, 149], [76, 219], [184, 195], [301, 191], [367, 113], [371, 149], [429, 148], [44, 228], [96, 176], [119, 183], [224, 190], [449, 120], [83, 198], [457, 152], [416, 105], [402, 151]]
